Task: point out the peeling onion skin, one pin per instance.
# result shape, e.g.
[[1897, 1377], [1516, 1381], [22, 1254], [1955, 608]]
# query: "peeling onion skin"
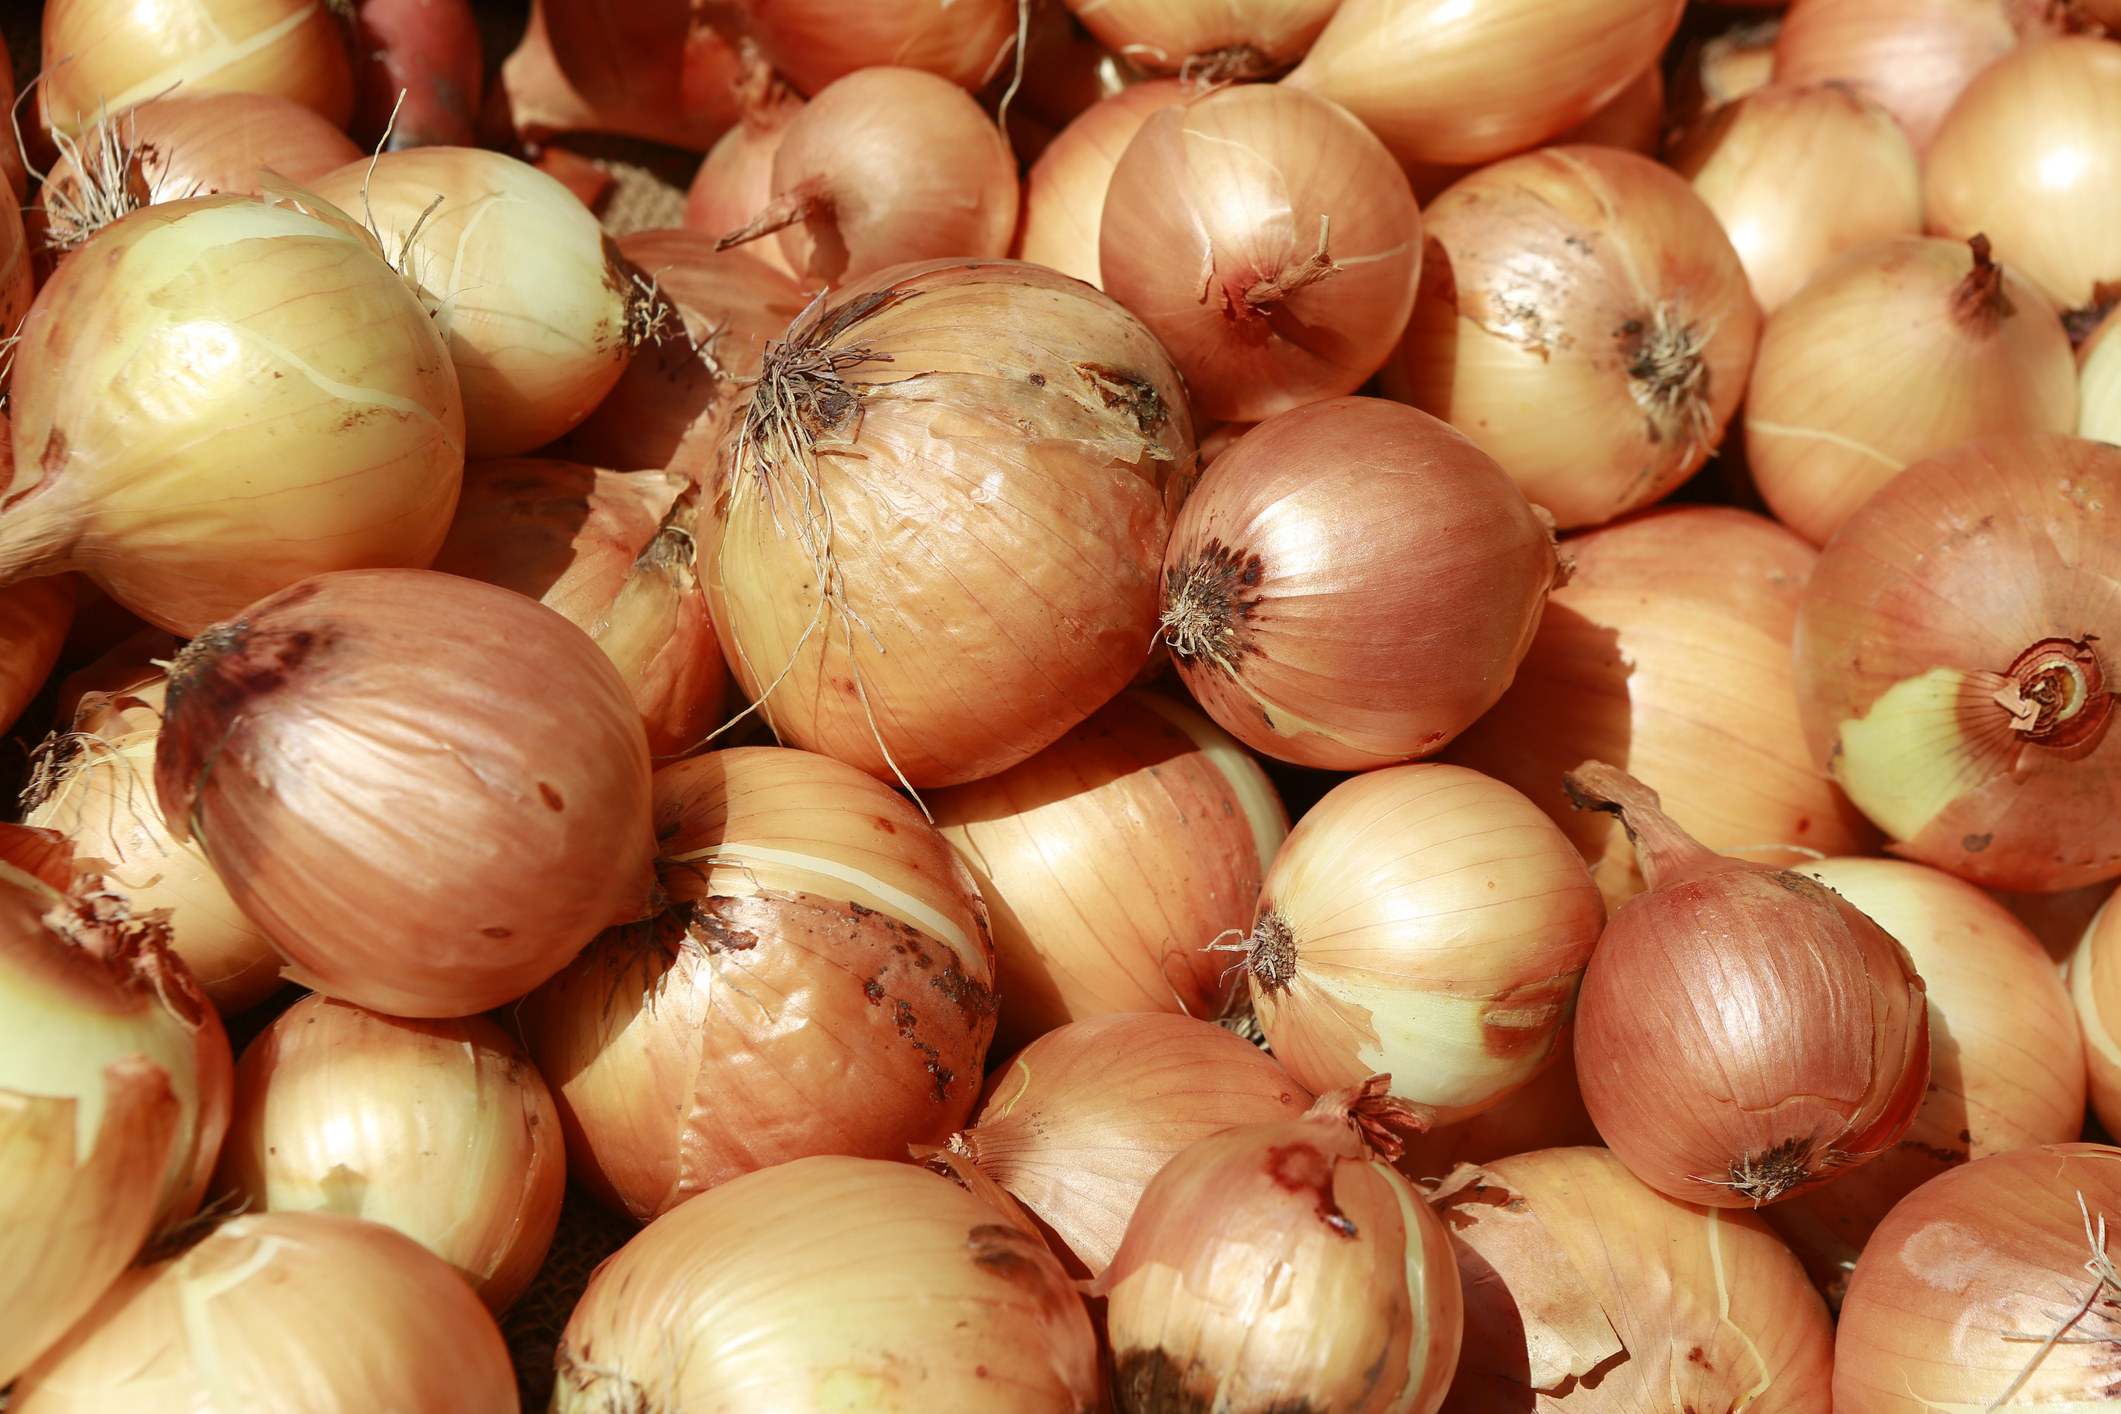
[[34, 617], [819, 980], [1984, 569], [1913, 58], [830, 1282], [1064, 192], [1966, 1278], [816, 42], [300, 746], [1606, 1297]]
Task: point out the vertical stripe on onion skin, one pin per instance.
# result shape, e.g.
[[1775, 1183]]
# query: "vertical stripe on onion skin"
[[2099, 383], [735, 181], [1595, 285], [1910, 57], [817, 42], [1957, 685], [1587, 1292], [653, 69], [1111, 860], [1428, 919], [1064, 192], [34, 617], [1957, 1296]]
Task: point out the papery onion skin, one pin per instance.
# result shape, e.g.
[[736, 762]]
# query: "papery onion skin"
[[235, 1322], [1333, 660], [301, 746], [1208, 40], [1028, 513], [653, 69], [831, 1280], [1064, 192], [1268, 240], [2099, 383], [1916, 637], [817, 42], [1911, 57], [34, 617], [1716, 72]]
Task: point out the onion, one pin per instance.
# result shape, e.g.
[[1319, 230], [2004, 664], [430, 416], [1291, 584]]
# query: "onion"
[[1546, 1112], [106, 55], [1741, 164], [1954, 681], [831, 1280], [429, 793], [818, 42], [820, 980], [1397, 640], [239, 1321], [2006, 1062], [736, 180], [1667, 653], [653, 69], [1268, 240], [1594, 286], [1426, 919], [194, 443], [440, 1129], [1989, 1287], [114, 1094], [1893, 351], [417, 73], [1717, 71], [34, 617], [1584, 1285], [1064, 192], [1284, 1266], [887, 165], [1494, 79], [1079, 1121], [2096, 998], [2099, 383], [1743, 1033], [2031, 155], [1209, 41], [910, 403], [1910, 57]]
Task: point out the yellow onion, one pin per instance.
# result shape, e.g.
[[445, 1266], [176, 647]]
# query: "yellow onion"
[[540, 311], [1268, 240], [654, 69], [1208, 41], [34, 617], [1910, 57], [1586, 1290], [2031, 156], [816, 42], [429, 792], [1667, 653], [442, 1130], [225, 397], [2099, 383], [825, 1283], [1111, 860], [1427, 921], [1494, 79], [1077, 1123], [1285, 1266], [819, 980], [1546, 1112], [1743, 1033], [1584, 319], [106, 55], [736, 179], [1064, 192], [910, 461], [1954, 680], [1892, 351], [1990, 1287], [239, 1321]]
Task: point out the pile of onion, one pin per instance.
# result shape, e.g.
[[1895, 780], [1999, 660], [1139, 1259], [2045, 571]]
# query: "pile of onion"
[[816, 42], [1910, 57], [654, 69], [1064, 192], [1206, 41]]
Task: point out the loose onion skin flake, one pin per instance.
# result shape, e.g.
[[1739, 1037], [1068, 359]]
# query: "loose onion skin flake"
[[816, 42], [1064, 192], [1911, 57]]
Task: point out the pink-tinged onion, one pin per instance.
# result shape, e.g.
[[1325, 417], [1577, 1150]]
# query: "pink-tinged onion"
[[1207, 41], [1268, 240], [193, 443], [1952, 657], [1910, 57], [1667, 653], [442, 1130], [429, 792], [1078, 1122], [818, 42], [735, 181], [1991, 1287], [1587, 1292], [1390, 642], [654, 69], [34, 617], [1111, 860], [819, 980], [2094, 979], [1493, 79], [236, 1322], [1064, 192], [1593, 286], [1426, 919], [935, 543], [1743, 1033], [417, 73], [1546, 1112]]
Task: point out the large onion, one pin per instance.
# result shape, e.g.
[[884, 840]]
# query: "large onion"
[[1910, 57], [1064, 192], [815, 42], [34, 617]]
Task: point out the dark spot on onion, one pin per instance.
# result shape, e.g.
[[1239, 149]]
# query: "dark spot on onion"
[[550, 796], [497, 931]]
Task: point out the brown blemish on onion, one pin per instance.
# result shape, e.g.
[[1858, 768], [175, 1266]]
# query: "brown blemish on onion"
[[1304, 1168], [1130, 392], [1151, 1381]]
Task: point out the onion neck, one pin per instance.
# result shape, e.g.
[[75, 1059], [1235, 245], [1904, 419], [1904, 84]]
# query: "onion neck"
[[2055, 693], [1665, 853], [1979, 304], [1272, 290], [1373, 1115], [1233, 63], [801, 203]]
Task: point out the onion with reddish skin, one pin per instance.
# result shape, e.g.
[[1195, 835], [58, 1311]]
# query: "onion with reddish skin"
[[34, 617], [654, 69], [417, 73], [1397, 640], [429, 793], [1910, 57], [1955, 680], [1268, 240], [1207, 41], [735, 182], [1064, 192], [1743, 1033], [818, 42]]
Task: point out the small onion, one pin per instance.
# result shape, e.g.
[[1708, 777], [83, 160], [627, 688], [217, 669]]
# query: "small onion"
[[653, 69], [817, 42], [1910, 57], [1268, 240], [1743, 1033], [429, 793], [1064, 192], [2099, 383], [1208, 41], [34, 617], [299, 1311], [1951, 661], [1892, 351], [831, 1281], [417, 73], [1593, 286], [735, 182], [2095, 993]]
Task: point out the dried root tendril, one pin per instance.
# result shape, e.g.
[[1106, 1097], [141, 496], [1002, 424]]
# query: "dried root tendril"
[[1768, 1175], [2105, 1292], [648, 312], [109, 181], [1669, 378], [1233, 63]]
